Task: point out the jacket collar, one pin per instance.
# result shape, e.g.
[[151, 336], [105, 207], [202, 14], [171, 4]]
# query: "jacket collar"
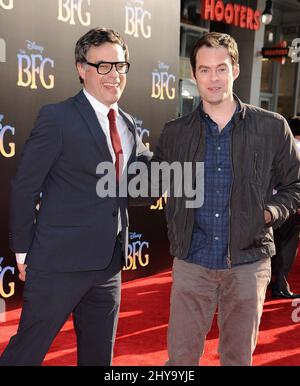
[[81, 98], [86, 110], [239, 115]]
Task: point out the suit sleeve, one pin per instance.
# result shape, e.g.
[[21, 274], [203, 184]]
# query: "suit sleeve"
[[142, 152], [149, 158], [287, 163], [151, 179], [38, 156]]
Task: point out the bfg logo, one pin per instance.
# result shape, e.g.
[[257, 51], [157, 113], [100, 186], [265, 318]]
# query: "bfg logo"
[[136, 253], [7, 4], [142, 132], [137, 19], [3, 293], [160, 203], [161, 82], [4, 131], [68, 9], [32, 67], [2, 51], [3, 272]]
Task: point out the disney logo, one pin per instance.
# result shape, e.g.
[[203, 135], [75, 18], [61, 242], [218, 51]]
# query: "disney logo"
[[163, 66], [138, 2], [134, 235], [34, 46], [138, 122]]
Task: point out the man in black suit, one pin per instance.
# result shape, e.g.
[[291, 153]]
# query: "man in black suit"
[[74, 246]]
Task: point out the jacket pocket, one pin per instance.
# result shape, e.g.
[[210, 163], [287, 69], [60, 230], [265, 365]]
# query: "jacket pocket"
[[256, 172], [256, 159], [252, 221]]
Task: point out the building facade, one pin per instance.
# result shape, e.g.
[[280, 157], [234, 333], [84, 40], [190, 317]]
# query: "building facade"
[[268, 83]]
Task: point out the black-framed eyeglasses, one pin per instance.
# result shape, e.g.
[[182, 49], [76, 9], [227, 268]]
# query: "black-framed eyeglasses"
[[105, 67]]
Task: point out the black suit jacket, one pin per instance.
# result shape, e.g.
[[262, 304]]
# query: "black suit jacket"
[[74, 229]]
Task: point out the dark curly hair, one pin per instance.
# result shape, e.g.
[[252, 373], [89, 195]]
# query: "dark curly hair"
[[96, 37]]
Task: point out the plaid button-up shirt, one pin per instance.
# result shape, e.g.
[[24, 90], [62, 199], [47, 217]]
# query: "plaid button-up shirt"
[[209, 244]]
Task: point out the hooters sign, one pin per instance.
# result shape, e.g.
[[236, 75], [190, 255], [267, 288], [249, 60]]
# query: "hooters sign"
[[235, 14]]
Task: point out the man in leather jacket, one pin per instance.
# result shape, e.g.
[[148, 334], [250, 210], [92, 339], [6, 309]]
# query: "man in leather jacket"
[[222, 249]]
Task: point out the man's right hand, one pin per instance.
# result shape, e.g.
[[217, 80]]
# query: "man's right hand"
[[22, 271]]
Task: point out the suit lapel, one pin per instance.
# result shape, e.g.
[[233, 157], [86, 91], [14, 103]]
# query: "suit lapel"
[[87, 112], [131, 127]]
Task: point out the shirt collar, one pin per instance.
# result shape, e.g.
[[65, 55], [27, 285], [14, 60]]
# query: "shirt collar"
[[98, 106], [204, 115]]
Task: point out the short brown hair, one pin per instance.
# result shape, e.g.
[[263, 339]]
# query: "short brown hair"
[[216, 40]]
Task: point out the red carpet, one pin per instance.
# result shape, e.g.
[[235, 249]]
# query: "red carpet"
[[141, 337]]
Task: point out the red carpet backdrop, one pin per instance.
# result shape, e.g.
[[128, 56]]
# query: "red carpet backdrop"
[[37, 40]]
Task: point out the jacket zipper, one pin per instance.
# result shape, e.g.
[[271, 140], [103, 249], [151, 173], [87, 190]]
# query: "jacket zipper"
[[194, 183], [229, 206], [255, 165]]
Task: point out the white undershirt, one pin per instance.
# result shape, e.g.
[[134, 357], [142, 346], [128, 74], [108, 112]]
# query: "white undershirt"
[[125, 135]]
